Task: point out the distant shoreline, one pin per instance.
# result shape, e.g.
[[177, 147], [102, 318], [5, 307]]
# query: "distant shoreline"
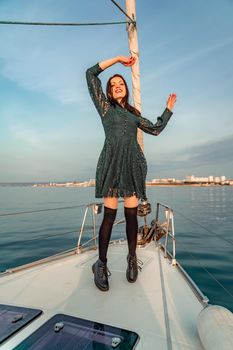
[[187, 185], [148, 184], [85, 184]]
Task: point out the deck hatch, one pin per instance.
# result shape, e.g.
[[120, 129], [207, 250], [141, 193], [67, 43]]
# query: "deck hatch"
[[78, 334], [13, 318]]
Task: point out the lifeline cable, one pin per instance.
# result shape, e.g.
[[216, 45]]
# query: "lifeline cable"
[[57, 234], [64, 23], [51, 209], [42, 210], [39, 238]]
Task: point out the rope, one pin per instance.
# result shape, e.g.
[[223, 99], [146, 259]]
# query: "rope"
[[64, 23], [200, 225]]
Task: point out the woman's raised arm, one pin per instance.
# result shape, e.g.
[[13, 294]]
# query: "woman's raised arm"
[[126, 61]]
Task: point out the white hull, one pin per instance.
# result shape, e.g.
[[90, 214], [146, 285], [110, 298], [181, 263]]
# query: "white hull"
[[161, 307]]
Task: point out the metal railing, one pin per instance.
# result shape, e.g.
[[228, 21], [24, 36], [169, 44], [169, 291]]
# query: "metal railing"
[[161, 226], [166, 228], [95, 209]]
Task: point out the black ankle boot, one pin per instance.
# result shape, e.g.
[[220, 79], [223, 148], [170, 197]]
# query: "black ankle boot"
[[132, 269], [101, 274]]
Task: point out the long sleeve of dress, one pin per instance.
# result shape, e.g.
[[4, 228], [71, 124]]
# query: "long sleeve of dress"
[[155, 129], [95, 88]]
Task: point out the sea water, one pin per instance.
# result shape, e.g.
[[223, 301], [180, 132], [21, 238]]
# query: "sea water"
[[203, 227]]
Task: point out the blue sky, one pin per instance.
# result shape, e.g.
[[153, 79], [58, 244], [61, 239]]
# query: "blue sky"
[[49, 129]]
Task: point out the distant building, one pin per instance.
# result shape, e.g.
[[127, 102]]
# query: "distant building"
[[171, 179], [168, 180], [154, 180], [194, 179]]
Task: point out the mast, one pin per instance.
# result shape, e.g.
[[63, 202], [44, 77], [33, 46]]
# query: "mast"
[[130, 6]]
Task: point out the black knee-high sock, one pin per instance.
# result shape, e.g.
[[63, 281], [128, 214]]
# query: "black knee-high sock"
[[131, 228], [105, 232]]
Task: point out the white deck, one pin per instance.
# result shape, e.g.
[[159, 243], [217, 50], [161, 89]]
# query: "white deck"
[[160, 306]]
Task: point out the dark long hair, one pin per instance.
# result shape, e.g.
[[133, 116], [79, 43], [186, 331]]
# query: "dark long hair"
[[124, 99]]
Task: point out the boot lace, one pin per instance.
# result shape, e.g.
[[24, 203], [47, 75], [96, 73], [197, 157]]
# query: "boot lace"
[[133, 260], [104, 271]]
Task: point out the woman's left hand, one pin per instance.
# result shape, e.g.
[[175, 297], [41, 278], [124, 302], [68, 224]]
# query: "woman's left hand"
[[171, 101]]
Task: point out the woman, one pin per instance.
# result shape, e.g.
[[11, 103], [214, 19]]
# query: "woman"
[[121, 169]]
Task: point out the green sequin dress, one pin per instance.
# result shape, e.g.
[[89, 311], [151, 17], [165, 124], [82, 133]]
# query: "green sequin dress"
[[121, 169]]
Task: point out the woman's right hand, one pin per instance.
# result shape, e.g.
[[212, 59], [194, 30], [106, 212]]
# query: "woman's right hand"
[[127, 61]]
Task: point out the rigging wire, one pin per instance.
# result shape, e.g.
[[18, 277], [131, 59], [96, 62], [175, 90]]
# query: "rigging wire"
[[195, 259], [205, 228], [130, 21], [206, 270], [65, 23], [118, 6]]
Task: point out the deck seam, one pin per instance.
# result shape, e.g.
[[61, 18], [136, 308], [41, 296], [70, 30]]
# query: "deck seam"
[[165, 307]]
